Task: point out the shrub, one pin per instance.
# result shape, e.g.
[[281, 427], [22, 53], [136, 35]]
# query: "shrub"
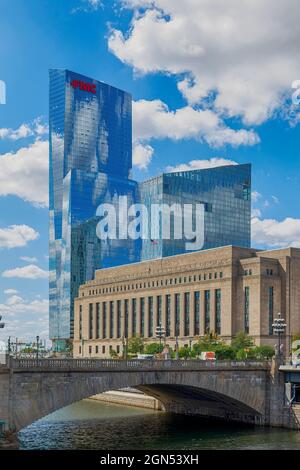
[[224, 351], [135, 345], [153, 348], [264, 352], [242, 341]]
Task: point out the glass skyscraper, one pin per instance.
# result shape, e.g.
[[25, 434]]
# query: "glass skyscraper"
[[224, 192], [90, 164]]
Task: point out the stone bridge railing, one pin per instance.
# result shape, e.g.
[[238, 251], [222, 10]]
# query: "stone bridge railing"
[[130, 365]]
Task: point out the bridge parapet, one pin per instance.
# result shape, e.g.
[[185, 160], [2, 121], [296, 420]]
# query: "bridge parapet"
[[134, 364]]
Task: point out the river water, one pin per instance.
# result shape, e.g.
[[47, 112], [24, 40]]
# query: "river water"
[[94, 425]]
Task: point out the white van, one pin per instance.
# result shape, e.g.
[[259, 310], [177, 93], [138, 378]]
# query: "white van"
[[144, 357]]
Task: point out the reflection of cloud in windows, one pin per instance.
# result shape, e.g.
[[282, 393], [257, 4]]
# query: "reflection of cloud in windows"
[[2, 92]]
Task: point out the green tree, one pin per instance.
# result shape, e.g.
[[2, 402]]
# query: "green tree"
[[263, 352], [185, 352], [135, 345], [295, 337], [153, 348], [113, 353], [224, 352], [241, 355], [242, 341], [208, 343]]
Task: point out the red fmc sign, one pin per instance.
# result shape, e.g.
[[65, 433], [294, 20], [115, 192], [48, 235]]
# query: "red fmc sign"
[[90, 87]]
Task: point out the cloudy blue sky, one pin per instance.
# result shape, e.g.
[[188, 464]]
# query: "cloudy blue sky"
[[211, 82]]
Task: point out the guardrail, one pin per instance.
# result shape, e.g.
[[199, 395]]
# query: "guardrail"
[[133, 364]]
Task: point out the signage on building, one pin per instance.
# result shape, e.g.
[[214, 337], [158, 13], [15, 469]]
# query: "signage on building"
[[90, 87]]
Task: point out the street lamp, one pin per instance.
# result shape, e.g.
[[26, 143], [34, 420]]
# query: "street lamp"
[[2, 324], [176, 348], [160, 333], [279, 327], [37, 347], [125, 344]]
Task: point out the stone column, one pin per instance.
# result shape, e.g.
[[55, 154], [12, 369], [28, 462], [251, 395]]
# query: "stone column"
[[115, 332], [146, 317], [182, 315], [155, 312], [101, 320], [130, 332], [163, 306], [172, 309], [108, 319], [213, 310], [122, 318], [94, 321], [202, 313], [192, 313], [138, 316], [85, 320]]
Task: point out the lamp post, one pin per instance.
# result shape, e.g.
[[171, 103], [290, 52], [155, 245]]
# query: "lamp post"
[[279, 327], [37, 347], [125, 345], [176, 348], [2, 324], [160, 333]]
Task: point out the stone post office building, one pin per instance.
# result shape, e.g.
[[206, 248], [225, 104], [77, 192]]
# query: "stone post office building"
[[223, 290]]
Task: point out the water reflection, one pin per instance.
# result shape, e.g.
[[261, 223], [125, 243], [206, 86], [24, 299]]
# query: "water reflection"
[[93, 425]]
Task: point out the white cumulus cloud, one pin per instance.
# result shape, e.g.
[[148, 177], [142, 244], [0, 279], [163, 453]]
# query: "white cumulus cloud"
[[25, 319], [154, 120], [27, 272], [37, 128], [16, 236], [276, 234], [142, 155], [201, 164], [243, 55], [25, 173], [28, 259], [10, 291]]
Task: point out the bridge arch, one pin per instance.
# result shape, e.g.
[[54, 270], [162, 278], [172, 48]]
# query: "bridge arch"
[[230, 394]]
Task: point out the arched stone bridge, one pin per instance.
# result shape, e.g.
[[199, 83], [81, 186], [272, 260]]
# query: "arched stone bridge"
[[242, 391]]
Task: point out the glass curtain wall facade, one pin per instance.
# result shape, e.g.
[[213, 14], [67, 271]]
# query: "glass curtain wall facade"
[[225, 193], [90, 163]]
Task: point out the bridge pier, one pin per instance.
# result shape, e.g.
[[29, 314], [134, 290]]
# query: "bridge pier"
[[9, 441], [5, 400]]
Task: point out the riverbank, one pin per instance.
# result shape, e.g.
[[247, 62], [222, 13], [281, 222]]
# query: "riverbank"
[[129, 397]]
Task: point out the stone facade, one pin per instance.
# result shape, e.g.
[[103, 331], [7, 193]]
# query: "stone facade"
[[252, 392], [223, 290]]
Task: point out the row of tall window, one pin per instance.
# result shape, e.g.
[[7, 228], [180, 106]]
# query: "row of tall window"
[[270, 308], [157, 283], [103, 323]]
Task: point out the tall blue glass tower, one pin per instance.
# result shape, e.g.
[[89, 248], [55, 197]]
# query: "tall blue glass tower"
[[90, 163]]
